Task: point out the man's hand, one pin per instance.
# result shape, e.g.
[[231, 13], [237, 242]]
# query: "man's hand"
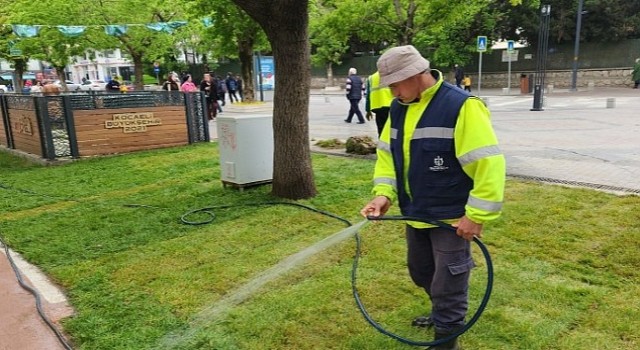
[[369, 117], [468, 229], [377, 207]]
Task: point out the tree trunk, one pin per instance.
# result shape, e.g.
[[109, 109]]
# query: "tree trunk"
[[286, 24], [137, 70], [330, 81], [62, 77], [245, 53], [19, 66]]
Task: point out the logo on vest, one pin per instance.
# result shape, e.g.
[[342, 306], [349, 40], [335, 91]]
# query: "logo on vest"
[[439, 164]]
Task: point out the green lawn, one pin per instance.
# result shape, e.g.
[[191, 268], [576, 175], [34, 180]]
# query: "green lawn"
[[566, 260]]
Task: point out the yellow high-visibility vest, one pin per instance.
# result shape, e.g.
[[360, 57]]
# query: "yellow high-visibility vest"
[[379, 96]]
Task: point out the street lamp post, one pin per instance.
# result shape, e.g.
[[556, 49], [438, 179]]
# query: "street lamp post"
[[259, 66], [574, 76], [541, 64]]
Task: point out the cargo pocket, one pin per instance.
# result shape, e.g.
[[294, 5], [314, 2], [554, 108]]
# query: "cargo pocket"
[[459, 280], [460, 267]]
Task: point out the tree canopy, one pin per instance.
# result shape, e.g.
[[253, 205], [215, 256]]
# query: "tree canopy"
[[446, 30], [232, 34]]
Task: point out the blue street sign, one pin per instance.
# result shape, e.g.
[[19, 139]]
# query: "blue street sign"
[[510, 45], [156, 69], [482, 43]]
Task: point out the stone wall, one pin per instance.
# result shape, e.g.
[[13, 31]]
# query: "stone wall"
[[617, 77], [562, 78]]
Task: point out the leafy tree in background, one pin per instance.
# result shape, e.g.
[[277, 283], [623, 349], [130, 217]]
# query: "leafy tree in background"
[[610, 20], [8, 39], [233, 34], [516, 21], [139, 42], [603, 20], [444, 30], [50, 45], [285, 23], [451, 30], [329, 36]]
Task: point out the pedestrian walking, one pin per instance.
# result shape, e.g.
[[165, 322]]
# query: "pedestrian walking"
[[459, 75], [232, 87], [467, 83], [355, 89]]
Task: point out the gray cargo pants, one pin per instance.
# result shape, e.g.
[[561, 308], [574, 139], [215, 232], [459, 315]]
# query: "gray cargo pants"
[[440, 262]]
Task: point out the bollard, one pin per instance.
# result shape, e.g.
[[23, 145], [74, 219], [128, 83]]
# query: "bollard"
[[505, 91], [611, 102], [550, 88], [591, 86], [326, 99]]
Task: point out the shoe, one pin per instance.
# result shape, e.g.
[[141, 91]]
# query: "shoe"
[[422, 322], [347, 121], [450, 345], [360, 123]]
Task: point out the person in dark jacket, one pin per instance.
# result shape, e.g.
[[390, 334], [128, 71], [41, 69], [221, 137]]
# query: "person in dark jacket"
[[459, 73], [210, 88], [222, 91], [355, 90], [232, 87], [172, 83], [113, 85]]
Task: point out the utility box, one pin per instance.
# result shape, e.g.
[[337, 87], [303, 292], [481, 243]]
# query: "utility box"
[[246, 149]]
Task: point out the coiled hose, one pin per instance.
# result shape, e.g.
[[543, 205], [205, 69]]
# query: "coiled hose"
[[466, 327]]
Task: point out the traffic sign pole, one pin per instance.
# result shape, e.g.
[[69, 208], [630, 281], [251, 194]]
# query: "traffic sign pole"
[[156, 69], [481, 47], [479, 73], [510, 47]]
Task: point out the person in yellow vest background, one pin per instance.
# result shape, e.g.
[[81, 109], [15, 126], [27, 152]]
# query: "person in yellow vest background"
[[467, 83], [123, 86], [378, 101]]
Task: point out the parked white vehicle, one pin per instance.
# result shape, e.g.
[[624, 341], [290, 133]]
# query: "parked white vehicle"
[[3, 88], [71, 86], [93, 85]]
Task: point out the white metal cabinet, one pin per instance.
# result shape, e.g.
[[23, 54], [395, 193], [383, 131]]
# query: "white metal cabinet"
[[246, 149]]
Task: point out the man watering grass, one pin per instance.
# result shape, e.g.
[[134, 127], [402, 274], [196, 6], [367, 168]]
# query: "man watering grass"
[[439, 156]]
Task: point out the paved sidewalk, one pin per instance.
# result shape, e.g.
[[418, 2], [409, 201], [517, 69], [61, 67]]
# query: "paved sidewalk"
[[576, 140], [22, 327]]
